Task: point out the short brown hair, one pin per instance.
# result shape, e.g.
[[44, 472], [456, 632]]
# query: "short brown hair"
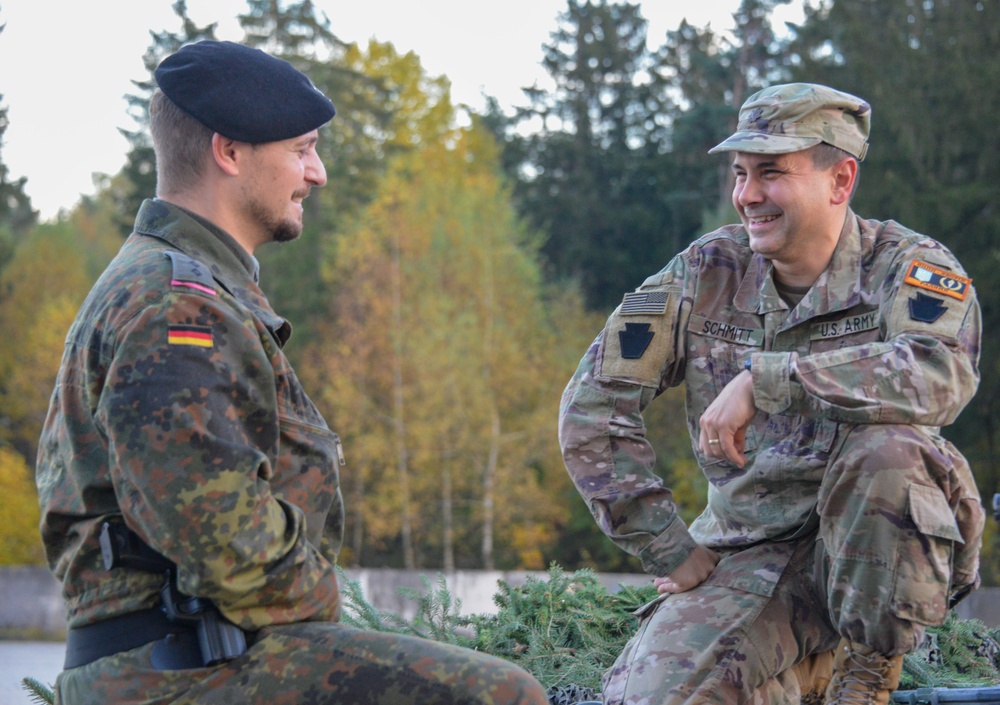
[[181, 144], [826, 155]]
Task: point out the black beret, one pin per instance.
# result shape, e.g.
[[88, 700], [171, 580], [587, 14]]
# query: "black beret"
[[242, 93]]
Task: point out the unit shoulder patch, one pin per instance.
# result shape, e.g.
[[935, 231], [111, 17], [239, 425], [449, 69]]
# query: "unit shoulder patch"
[[938, 280]]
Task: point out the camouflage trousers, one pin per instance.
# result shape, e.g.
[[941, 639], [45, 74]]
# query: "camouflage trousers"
[[308, 664], [898, 530]]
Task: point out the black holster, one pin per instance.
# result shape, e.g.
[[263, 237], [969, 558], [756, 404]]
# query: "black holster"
[[178, 625]]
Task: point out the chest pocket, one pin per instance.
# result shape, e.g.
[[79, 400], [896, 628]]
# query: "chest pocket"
[[306, 471], [309, 456], [716, 352]]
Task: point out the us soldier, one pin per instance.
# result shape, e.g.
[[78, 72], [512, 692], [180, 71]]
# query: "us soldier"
[[821, 353], [178, 428]]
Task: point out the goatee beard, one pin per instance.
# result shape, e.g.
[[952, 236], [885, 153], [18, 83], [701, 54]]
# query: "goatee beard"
[[281, 229], [286, 231]]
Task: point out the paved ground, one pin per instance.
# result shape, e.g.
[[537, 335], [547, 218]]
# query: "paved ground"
[[36, 659]]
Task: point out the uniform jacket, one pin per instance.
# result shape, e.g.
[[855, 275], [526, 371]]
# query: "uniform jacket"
[[176, 410], [889, 334]]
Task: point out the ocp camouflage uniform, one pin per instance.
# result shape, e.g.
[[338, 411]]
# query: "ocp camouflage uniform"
[[852, 517], [176, 409]]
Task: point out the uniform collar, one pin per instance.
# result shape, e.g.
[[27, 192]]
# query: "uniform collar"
[[198, 237], [838, 287], [232, 266]]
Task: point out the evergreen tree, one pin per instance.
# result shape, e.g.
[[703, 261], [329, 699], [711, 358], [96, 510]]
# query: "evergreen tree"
[[697, 64], [616, 175], [586, 178], [292, 29], [17, 216], [713, 74]]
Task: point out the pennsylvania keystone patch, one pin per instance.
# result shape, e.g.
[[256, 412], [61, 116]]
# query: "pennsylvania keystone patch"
[[634, 340], [926, 309]]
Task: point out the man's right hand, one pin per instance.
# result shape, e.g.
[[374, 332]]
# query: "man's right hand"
[[691, 573]]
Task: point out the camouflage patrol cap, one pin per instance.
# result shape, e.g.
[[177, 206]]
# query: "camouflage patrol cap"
[[795, 116]]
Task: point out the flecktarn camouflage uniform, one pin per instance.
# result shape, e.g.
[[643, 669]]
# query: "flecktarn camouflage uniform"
[[176, 410], [852, 518]]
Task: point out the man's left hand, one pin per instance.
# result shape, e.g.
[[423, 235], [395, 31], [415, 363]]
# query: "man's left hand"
[[724, 423]]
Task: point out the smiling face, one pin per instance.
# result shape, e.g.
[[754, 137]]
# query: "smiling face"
[[281, 174], [792, 210]]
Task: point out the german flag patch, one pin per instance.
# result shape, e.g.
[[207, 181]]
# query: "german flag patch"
[[941, 281], [198, 336]]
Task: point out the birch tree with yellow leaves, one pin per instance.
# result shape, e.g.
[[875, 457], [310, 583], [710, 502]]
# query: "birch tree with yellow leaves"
[[442, 367]]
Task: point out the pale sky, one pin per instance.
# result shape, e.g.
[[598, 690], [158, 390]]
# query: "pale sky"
[[66, 65]]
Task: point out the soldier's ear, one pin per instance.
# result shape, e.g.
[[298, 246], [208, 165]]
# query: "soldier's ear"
[[844, 173], [225, 154]]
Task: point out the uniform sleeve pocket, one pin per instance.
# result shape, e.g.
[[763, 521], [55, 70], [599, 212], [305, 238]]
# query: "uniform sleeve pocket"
[[931, 513], [923, 564], [638, 340]]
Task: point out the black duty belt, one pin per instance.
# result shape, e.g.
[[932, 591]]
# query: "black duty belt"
[[130, 631]]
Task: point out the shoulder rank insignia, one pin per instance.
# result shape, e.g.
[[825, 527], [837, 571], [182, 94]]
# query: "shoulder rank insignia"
[[198, 336], [189, 273], [941, 281]]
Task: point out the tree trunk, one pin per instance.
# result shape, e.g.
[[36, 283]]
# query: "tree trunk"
[[489, 482], [447, 519], [358, 538], [399, 423]]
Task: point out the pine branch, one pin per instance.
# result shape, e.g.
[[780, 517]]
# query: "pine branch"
[[40, 694], [358, 612], [438, 614], [961, 653], [566, 629]]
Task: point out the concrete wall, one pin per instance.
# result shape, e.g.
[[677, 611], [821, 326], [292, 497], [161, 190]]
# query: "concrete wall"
[[983, 604], [30, 603], [475, 588]]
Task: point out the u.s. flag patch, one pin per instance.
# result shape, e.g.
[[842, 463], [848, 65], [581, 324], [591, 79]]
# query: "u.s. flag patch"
[[927, 276], [199, 336], [648, 303]]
